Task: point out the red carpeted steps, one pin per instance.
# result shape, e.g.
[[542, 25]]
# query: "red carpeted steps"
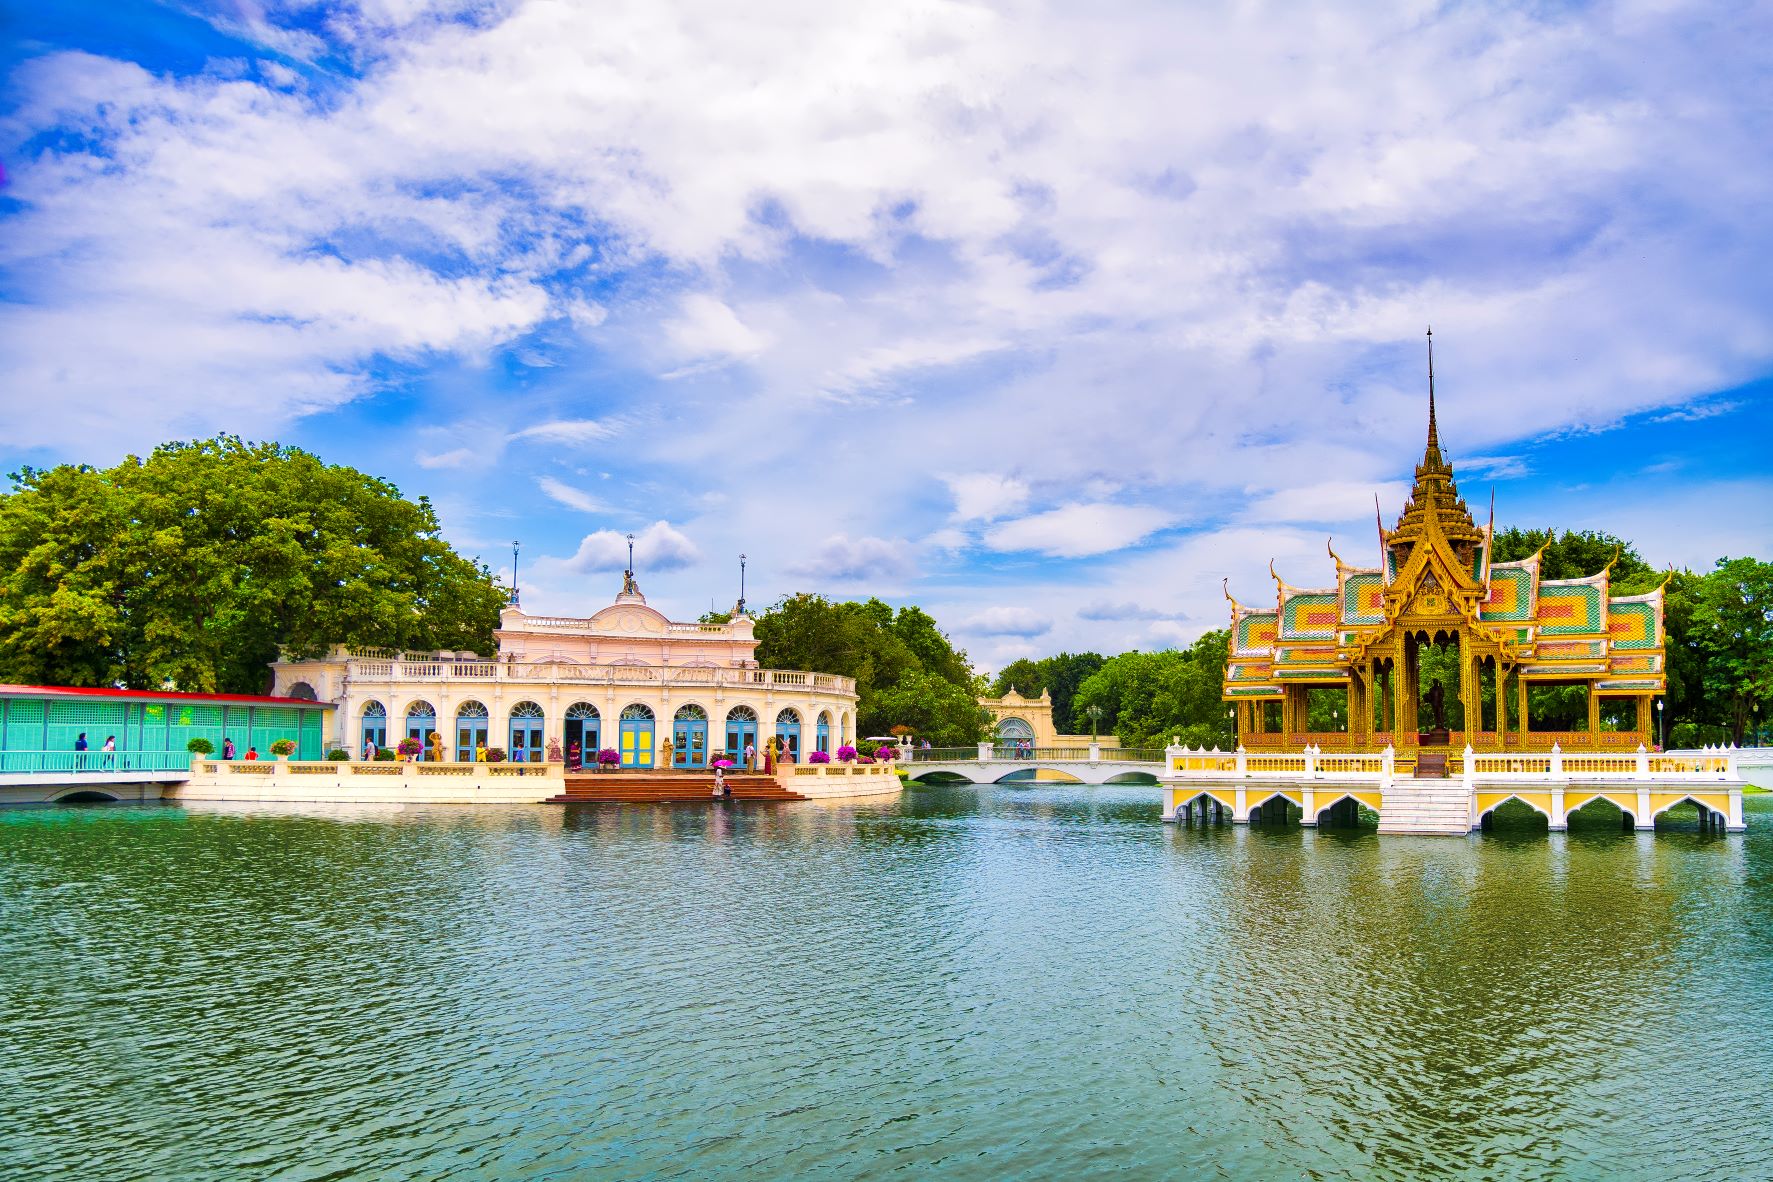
[[666, 788]]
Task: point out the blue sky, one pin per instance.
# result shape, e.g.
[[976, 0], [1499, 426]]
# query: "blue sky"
[[1046, 319]]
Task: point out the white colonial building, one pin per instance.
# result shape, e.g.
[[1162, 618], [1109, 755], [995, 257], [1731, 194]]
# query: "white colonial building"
[[626, 679]]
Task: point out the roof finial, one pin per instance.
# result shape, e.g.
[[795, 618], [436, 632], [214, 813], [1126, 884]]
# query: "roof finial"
[[1434, 435]]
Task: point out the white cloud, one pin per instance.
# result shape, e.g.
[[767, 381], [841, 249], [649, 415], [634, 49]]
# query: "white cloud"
[[572, 498], [986, 495], [1105, 610], [459, 457], [659, 548], [1075, 531], [1329, 501], [1008, 621], [705, 327], [842, 559], [566, 431]]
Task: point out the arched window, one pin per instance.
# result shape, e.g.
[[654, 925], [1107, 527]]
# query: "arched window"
[[636, 736], [526, 733], [421, 724], [788, 731], [689, 737], [584, 735], [1013, 735], [741, 732], [373, 735], [303, 691], [471, 730]]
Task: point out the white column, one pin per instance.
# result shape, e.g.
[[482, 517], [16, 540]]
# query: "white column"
[[1169, 804], [1558, 818], [1733, 820], [1309, 799], [1643, 820], [984, 749], [1240, 810]]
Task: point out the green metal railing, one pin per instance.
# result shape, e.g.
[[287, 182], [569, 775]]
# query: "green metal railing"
[[63, 762]]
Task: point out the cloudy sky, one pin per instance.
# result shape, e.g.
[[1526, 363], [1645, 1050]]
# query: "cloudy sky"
[[1046, 317]]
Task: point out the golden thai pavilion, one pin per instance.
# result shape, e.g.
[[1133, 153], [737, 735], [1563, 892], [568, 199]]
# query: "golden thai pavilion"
[[1496, 633]]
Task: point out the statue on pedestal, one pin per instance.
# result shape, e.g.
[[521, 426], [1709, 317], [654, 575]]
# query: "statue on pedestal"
[[1437, 702]]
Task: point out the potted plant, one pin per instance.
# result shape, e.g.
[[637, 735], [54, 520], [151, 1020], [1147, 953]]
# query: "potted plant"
[[200, 748], [408, 747], [885, 754], [338, 755], [495, 755], [820, 757], [283, 749], [608, 758], [846, 754], [386, 755]]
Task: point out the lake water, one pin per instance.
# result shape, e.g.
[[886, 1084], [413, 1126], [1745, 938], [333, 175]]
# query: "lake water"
[[995, 982]]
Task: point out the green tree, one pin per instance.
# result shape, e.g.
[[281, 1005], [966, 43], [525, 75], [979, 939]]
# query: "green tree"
[[1149, 698], [195, 566], [1577, 554], [892, 655], [1732, 626]]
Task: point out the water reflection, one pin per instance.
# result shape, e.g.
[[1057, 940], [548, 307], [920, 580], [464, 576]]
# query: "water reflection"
[[965, 981]]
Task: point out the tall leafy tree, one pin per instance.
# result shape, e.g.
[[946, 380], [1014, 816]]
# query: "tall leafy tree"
[[195, 566], [907, 671], [1149, 698], [1732, 626], [1577, 554]]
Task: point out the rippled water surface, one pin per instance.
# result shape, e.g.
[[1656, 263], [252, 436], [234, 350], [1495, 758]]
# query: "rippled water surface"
[[993, 982]]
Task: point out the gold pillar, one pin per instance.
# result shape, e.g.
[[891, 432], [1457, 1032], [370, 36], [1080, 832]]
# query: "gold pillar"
[[1501, 705], [1594, 716]]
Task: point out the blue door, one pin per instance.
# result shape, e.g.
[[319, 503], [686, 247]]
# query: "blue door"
[[375, 729], [583, 730], [788, 731], [824, 730], [741, 731], [420, 727], [689, 738], [526, 733], [636, 745], [471, 731]]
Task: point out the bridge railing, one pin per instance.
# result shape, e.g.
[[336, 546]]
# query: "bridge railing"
[[25, 760], [944, 754]]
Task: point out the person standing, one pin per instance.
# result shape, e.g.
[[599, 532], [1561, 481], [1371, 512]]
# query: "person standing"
[[750, 756], [80, 752], [110, 750], [227, 748], [370, 750], [252, 752], [719, 782]]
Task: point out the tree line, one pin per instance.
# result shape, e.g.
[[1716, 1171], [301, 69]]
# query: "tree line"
[[194, 567]]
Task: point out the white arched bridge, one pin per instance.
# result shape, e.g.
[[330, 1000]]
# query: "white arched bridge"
[[987, 763]]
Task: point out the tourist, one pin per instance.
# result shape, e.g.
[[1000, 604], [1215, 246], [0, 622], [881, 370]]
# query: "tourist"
[[719, 782], [480, 753], [517, 753], [252, 752], [227, 748], [369, 750], [750, 756], [80, 752], [769, 758], [926, 744], [572, 757], [110, 750]]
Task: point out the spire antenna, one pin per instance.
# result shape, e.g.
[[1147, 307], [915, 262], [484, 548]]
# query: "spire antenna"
[[1434, 435]]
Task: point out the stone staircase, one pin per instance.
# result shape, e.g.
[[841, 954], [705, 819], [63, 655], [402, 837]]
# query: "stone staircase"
[[666, 788], [1427, 805]]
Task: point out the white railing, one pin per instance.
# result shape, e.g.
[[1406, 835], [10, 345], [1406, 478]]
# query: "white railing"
[[363, 669], [1523, 766]]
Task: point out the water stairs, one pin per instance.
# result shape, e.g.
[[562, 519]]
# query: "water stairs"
[[695, 787], [1428, 803]]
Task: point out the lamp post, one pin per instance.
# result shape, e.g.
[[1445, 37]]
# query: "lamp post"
[[1661, 739], [1095, 713], [514, 596]]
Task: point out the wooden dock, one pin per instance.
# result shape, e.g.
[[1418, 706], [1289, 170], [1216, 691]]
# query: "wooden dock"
[[695, 787]]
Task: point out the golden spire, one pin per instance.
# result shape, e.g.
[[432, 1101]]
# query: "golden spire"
[[1432, 456]]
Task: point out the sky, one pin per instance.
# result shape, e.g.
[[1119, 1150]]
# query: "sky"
[[1047, 318]]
